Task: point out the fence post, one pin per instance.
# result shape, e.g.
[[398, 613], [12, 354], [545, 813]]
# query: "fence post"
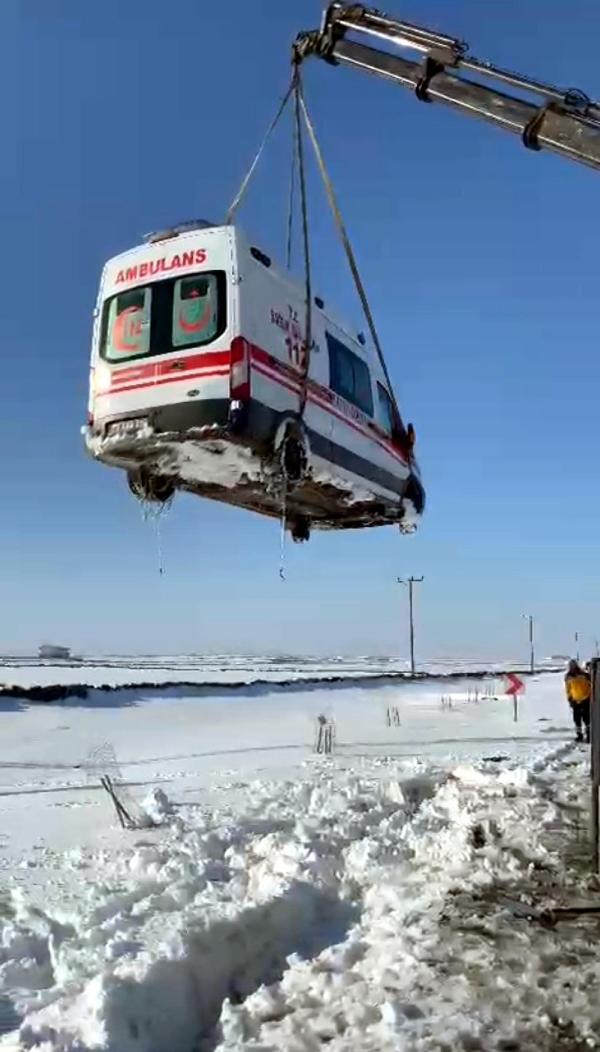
[[595, 761]]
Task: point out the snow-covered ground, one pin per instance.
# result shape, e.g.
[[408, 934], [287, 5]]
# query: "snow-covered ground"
[[377, 899], [117, 670]]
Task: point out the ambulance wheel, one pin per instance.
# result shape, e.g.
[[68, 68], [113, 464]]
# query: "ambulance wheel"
[[300, 529], [293, 458], [411, 505], [157, 489], [415, 493]]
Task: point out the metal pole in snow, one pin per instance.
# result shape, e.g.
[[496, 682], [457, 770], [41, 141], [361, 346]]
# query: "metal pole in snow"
[[410, 581], [412, 626], [577, 646], [529, 619], [595, 765], [515, 708]]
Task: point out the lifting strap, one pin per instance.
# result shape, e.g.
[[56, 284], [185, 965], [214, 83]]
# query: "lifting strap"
[[301, 113], [292, 197], [344, 237], [244, 185], [299, 110]]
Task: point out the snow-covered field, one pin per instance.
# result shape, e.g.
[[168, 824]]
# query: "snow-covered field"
[[117, 670], [377, 899]]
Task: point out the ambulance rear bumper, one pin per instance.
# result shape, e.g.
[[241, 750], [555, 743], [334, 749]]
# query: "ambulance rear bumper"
[[129, 439], [180, 417]]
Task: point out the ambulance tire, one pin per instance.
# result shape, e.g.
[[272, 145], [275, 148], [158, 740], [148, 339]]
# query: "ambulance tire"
[[292, 454], [300, 529], [156, 489], [415, 493]]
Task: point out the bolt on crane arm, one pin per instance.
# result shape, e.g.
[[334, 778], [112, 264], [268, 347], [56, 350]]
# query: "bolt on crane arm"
[[566, 122]]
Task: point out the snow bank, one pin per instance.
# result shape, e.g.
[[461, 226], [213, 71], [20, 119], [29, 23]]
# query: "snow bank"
[[157, 807], [327, 909]]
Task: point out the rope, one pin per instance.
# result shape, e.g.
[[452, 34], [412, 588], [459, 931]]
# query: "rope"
[[242, 190], [298, 100], [343, 235], [292, 196], [301, 112]]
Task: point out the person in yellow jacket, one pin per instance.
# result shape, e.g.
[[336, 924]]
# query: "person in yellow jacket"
[[579, 690]]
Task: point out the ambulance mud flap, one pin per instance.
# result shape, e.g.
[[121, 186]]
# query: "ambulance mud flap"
[[291, 459], [291, 452], [412, 505]]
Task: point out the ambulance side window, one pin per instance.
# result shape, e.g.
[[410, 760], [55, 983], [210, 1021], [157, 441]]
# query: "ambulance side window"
[[349, 375], [386, 414]]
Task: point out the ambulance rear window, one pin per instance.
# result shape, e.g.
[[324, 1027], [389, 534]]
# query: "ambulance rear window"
[[164, 317], [128, 325], [195, 315]]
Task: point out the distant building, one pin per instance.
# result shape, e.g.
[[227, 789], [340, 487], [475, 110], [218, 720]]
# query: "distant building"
[[48, 650]]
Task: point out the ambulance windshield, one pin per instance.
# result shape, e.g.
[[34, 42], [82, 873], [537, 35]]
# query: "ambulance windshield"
[[163, 317]]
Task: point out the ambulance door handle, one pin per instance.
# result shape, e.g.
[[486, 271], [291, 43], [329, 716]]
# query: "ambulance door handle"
[[176, 365]]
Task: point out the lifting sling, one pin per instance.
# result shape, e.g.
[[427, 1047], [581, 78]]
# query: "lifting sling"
[[301, 115]]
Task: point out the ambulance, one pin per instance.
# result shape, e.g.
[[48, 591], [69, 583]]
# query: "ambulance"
[[200, 381]]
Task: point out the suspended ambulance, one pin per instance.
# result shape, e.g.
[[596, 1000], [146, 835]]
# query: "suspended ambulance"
[[200, 381]]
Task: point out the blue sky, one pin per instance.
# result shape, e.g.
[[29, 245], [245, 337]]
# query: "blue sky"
[[481, 263]]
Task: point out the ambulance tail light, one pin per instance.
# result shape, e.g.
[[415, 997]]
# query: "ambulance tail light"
[[101, 379], [239, 377]]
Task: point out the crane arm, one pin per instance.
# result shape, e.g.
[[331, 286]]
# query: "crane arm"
[[566, 122]]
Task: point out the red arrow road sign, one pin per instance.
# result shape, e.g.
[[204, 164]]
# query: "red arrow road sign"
[[515, 685]]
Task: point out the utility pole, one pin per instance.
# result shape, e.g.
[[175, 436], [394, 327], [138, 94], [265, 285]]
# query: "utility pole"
[[595, 727], [529, 619], [410, 581]]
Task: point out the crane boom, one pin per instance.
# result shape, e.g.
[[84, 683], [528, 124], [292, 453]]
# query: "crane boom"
[[566, 122]]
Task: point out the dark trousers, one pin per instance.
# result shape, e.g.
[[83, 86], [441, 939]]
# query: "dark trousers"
[[581, 715]]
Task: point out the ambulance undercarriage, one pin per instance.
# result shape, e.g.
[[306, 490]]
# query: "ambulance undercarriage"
[[246, 458]]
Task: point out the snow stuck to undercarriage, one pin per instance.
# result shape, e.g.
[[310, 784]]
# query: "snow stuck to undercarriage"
[[202, 459], [216, 467], [374, 910]]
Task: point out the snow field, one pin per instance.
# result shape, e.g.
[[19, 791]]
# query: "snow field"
[[366, 900], [114, 671], [326, 911]]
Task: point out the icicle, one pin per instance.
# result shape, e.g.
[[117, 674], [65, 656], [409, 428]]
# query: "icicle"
[[158, 524], [153, 513], [283, 521]]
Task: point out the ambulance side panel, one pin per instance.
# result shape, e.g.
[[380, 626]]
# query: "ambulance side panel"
[[359, 443], [344, 439], [272, 321]]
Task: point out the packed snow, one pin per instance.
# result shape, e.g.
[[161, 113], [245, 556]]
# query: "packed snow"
[[394, 895], [218, 463]]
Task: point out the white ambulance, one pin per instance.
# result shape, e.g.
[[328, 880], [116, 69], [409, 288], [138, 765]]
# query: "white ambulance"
[[198, 382]]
